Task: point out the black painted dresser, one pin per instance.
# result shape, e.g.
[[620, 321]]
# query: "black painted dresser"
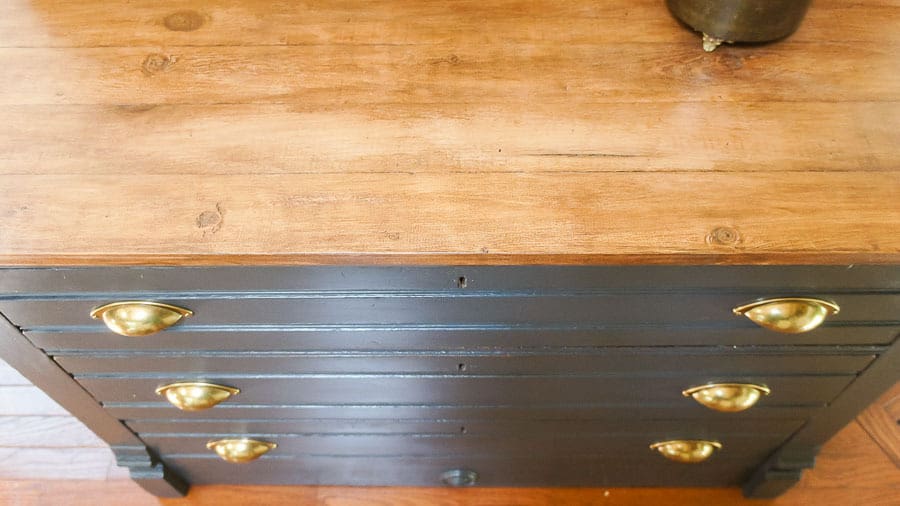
[[462, 376]]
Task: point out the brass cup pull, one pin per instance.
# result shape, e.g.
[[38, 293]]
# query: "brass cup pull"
[[790, 315], [687, 451], [727, 397], [188, 396], [239, 451], [139, 318]]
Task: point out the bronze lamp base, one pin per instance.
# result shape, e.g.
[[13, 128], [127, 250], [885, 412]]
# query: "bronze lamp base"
[[740, 20]]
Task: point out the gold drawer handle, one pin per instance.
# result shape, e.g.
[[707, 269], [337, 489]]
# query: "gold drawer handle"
[[727, 397], [134, 318], [239, 451], [790, 315], [687, 451], [194, 396]]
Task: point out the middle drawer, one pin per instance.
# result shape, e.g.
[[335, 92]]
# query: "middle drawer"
[[404, 389], [752, 361]]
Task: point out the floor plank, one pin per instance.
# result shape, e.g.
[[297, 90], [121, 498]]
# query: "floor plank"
[[27, 400], [75, 493], [46, 432], [59, 464], [852, 460], [10, 376], [882, 422]]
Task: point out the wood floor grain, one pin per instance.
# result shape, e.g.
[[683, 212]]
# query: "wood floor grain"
[[882, 422]]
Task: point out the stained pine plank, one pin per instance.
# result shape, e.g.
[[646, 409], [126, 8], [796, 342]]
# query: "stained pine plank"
[[512, 78], [298, 139], [33, 23], [452, 216], [552, 132]]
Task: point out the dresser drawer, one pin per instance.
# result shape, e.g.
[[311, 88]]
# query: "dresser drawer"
[[468, 390], [471, 308], [751, 446], [649, 470]]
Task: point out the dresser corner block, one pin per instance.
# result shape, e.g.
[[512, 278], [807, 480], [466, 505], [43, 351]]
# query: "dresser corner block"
[[488, 376], [149, 472], [779, 473]]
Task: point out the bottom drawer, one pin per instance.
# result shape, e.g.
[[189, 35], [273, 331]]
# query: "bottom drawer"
[[533, 471], [607, 445]]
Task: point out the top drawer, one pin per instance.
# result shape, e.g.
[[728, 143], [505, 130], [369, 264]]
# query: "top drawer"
[[211, 280], [471, 308], [480, 297]]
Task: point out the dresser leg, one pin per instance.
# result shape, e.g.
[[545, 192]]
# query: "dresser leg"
[[779, 473], [148, 472]]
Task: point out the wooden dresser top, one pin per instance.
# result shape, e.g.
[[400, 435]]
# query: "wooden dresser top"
[[442, 132]]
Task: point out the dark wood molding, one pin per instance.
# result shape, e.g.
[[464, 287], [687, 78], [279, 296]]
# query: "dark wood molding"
[[779, 473], [881, 375], [785, 467], [147, 471]]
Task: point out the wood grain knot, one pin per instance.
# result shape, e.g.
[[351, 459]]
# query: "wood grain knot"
[[731, 61], [135, 108], [155, 63], [723, 236], [210, 221], [183, 21], [447, 60]]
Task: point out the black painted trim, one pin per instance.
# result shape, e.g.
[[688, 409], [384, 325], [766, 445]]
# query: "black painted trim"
[[45, 374], [543, 278], [785, 467]]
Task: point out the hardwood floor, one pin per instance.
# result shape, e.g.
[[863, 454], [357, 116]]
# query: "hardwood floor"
[[882, 422], [48, 457]]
